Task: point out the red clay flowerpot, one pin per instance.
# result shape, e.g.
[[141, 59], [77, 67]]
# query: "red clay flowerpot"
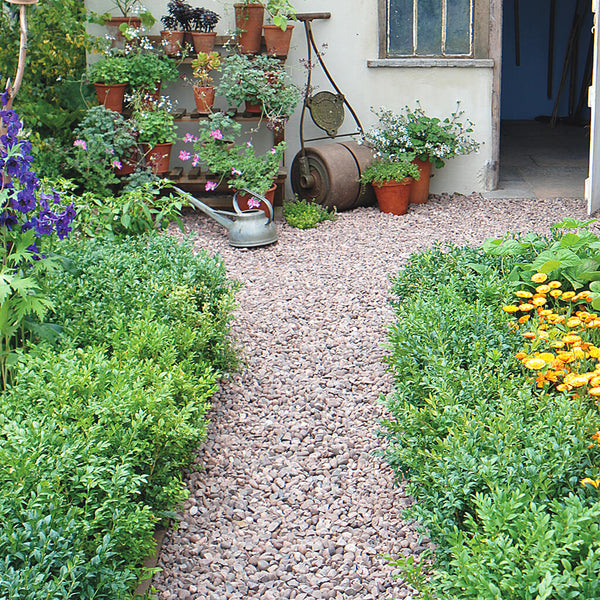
[[204, 42], [392, 196], [277, 41], [158, 158], [128, 163], [172, 41], [111, 96], [253, 108], [269, 195], [205, 98], [249, 22], [419, 188]]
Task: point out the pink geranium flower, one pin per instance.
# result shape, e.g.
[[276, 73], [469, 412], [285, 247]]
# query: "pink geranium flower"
[[210, 186], [188, 138], [80, 144], [117, 164], [195, 160], [216, 134], [235, 171], [253, 203], [183, 155]]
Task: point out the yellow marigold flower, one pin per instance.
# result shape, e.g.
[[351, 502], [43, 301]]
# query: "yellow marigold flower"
[[554, 284], [575, 379], [566, 356], [552, 375], [526, 306], [523, 294], [595, 383], [571, 338], [546, 356], [542, 289], [524, 318], [520, 355], [579, 353], [593, 324], [534, 363], [539, 277], [545, 313], [539, 301], [557, 344], [543, 331], [573, 322], [529, 335], [510, 308], [594, 352], [563, 387], [594, 482], [567, 295], [555, 293]]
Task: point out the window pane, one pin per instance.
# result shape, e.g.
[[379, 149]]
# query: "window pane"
[[429, 27], [458, 29], [400, 19]]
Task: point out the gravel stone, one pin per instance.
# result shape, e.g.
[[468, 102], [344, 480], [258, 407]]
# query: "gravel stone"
[[292, 500]]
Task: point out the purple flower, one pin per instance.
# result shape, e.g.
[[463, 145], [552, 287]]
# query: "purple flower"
[[80, 144], [4, 97], [183, 155], [210, 186]]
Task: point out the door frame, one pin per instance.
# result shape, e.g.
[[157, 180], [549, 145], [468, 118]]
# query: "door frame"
[[495, 49]]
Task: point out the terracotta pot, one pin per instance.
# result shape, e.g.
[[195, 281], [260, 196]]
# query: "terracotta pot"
[[172, 41], [248, 22], [277, 41], [392, 196], [114, 28], [253, 108], [158, 158], [205, 98], [419, 188], [203, 42], [269, 195], [111, 96]]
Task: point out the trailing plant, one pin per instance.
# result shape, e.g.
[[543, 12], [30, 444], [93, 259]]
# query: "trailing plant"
[[28, 216], [383, 171], [303, 214], [413, 132]]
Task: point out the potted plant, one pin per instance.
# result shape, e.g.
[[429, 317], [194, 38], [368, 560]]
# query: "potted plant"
[[203, 29], [391, 181], [149, 68], [133, 15], [110, 76], [204, 92], [249, 18], [430, 140], [261, 83], [156, 135], [278, 33]]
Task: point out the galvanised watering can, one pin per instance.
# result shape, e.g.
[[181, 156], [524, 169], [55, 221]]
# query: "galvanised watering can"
[[248, 228]]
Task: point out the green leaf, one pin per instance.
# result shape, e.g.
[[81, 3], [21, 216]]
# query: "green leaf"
[[569, 239]]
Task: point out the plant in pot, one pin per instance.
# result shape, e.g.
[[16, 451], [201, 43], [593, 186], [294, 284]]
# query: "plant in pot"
[[260, 82], [203, 29], [133, 15], [204, 92], [278, 33], [249, 18], [156, 135], [391, 179], [430, 140], [148, 69], [110, 76], [104, 147]]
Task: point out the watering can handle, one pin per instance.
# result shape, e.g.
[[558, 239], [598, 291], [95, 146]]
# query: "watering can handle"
[[255, 195]]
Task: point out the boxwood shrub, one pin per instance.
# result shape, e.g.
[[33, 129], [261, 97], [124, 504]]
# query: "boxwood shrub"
[[96, 429], [494, 464]]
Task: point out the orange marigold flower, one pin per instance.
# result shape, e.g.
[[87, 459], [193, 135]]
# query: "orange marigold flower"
[[555, 293], [523, 294], [575, 379], [510, 308], [546, 356], [566, 357], [534, 363], [529, 335], [594, 352], [587, 480], [563, 387], [538, 301], [567, 295], [524, 318], [593, 324], [520, 355], [571, 338], [542, 289], [552, 375], [579, 353], [595, 383], [573, 322], [554, 284], [526, 306], [545, 313], [539, 277], [557, 344]]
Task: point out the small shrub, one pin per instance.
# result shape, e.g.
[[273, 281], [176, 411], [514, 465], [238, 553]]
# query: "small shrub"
[[303, 214]]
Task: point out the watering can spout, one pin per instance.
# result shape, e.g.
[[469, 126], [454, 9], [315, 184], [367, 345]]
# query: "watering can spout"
[[217, 216]]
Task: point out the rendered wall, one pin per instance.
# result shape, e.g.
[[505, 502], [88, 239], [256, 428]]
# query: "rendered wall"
[[351, 36]]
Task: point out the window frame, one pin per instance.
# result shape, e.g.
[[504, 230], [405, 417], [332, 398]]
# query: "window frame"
[[480, 48]]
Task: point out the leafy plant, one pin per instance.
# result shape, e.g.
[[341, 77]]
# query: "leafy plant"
[[203, 64], [414, 133], [154, 126], [382, 171], [110, 70], [280, 11], [182, 16], [149, 66], [303, 214]]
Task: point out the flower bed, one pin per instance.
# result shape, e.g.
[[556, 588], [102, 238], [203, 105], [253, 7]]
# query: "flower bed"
[[495, 463], [97, 428]]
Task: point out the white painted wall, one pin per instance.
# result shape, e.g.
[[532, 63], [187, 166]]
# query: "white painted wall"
[[351, 36]]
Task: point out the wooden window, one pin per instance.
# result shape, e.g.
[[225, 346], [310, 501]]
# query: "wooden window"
[[433, 28]]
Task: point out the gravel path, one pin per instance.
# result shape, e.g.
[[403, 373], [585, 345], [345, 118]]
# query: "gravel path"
[[292, 500]]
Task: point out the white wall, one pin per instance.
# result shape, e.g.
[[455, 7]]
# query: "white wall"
[[351, 36]]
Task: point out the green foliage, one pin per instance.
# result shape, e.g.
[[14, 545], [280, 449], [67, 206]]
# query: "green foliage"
[[110, 70], [384, 171], [280, 11], [155, 126], [571, 254], [466, 425], [148, 67], [303, 214]]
